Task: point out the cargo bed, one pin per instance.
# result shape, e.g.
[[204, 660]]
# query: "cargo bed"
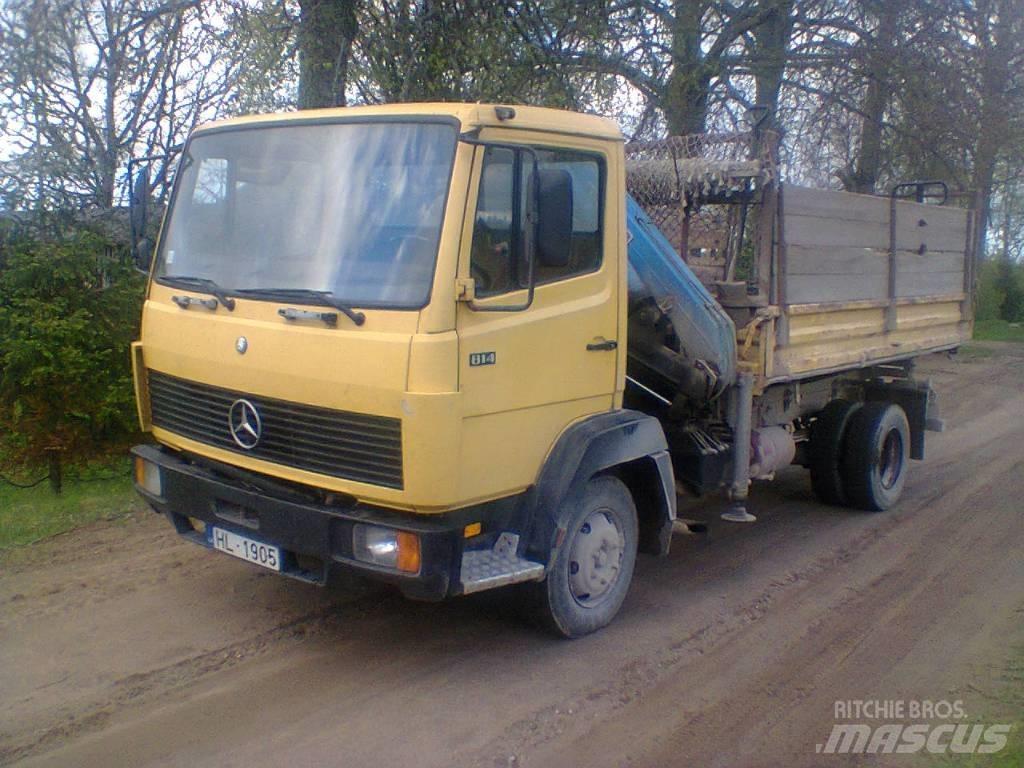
[[816, 281], [854, 280]]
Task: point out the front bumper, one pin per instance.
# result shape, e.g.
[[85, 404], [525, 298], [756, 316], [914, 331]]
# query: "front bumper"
[[315, 539]]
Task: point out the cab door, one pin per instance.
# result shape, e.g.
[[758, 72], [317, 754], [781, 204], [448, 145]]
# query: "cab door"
[[527, 372]]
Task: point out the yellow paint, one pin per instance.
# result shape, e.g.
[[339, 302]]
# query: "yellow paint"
[[829, 326], [855, 335], [471, 116], [141, 393], [927, 315], [476, 433], [544, 378], [469, 434]]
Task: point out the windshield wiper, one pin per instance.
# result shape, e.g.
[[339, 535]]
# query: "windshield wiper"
[[203, 285], [326, 297]]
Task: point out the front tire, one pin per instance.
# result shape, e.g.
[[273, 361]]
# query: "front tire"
[[591, 571], [876, 457]]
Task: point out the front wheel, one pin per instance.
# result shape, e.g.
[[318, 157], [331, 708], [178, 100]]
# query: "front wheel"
[[591, 571]]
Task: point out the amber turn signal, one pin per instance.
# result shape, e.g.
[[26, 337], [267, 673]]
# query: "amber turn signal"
[[409, 557]]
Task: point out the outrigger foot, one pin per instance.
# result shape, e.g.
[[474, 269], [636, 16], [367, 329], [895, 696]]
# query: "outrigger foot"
[[737, 513]]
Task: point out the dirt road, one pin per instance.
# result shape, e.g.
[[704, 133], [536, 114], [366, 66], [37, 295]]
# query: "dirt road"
[[121, 645]]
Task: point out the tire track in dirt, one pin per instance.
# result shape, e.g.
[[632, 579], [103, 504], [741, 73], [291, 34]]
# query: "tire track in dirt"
[[734, 647], [634, 681]]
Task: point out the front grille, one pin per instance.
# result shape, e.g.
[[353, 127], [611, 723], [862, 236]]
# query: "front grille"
[[353, 446]]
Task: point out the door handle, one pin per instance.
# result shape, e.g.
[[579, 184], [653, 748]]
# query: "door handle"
[[603, 346]]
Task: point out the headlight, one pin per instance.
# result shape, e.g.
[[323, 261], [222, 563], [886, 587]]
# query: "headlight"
[[386, 547], [147, 476]]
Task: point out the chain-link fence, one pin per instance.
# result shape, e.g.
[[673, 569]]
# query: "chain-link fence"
[[698, 189]]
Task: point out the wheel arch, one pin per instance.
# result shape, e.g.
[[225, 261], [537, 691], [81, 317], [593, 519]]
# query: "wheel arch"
[[917, 402], [628, 444]]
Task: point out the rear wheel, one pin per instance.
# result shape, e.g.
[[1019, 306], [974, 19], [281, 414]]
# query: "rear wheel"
[[591, 571], [828, 434], [876, 457]]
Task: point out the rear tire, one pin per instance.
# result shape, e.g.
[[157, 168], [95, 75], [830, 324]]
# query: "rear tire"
[[828, 435], [876, 457], [591, 571]]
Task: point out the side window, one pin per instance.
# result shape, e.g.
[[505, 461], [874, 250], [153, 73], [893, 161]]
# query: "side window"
[[496, 232], [497, 261]]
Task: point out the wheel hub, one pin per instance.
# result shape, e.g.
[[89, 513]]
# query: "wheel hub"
[[595, 559], [890, 465]]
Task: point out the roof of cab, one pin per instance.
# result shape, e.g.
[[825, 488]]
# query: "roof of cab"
[[470, 116]]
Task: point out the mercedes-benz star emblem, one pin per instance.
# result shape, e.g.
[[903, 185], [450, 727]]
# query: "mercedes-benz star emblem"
[[241, 344], [244, 423]]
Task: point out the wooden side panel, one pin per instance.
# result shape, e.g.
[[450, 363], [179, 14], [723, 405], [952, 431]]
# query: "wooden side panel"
[[908, 262], [830, 204], [830, 287], [928, 315], [838, 247], [820, 327], [848, 299], [928, 283], [833, 204], [837, 339], [807, 260], [936, 234]]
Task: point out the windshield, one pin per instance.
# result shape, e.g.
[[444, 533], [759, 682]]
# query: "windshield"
[[352, 209]]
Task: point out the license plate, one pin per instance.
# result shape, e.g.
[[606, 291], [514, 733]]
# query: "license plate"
[[247, 549]]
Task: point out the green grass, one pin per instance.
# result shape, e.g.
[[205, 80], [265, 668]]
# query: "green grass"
[[1004, 705], [30, 514], [998, 330]]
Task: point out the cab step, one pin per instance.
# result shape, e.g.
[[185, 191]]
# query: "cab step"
[[489, 568]]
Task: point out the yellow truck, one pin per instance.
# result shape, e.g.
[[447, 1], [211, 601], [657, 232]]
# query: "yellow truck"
[[444, 346]]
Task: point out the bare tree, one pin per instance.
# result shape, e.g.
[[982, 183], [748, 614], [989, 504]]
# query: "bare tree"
[[87, 83], [676, 54], [769, 56], [997, 29], [880, 73], [457, 50]]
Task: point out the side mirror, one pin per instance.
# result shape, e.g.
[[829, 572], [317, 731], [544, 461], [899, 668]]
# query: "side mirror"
[[138, 220], [554, 217]]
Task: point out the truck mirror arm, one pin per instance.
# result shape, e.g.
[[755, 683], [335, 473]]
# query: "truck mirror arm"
[[143, 246]]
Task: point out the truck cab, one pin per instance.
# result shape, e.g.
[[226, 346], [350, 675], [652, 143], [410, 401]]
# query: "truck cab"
[[392, 340]]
